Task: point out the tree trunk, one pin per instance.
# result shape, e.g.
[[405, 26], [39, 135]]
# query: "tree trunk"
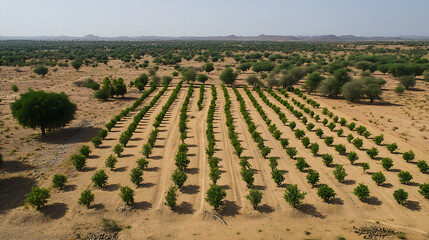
[[43, 131]]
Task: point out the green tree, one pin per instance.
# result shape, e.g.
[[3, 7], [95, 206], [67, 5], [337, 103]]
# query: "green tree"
[[312, 177], [329, 87], [202, 78], [352, 91], [400, 196], [171, 197], [313, 81], [326, 193], [405, 177], [423, 166], [228, 76], [99, 178], [378, 178], [86, 198], [387, 163], [340, 173], [293, 195], [85, 150], [407, 81], [43, 110], [59, 181], [179, 178], [136, 176], [277, 176], [111, 161], [127, 195], [208, 67], [361, 191], [38, 197], [408, 156], [424, 190], [255, 197], [41, 70], [215, 196], [373, 92], [189, 75]]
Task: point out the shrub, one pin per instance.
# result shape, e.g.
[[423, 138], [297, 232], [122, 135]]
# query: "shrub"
[[340, 132], [171, 197], [277, 176], [38, 197], [343, 122], [312, 177], [326, 193], [341, 149], [291, 151], [408, 156], [118, 149], [351, 126], [372, 152], [127, 195], [58, 181], [293, 195], [366, 134], [96, 141], [424, 190], [331, 126], [350, 138], [111, 162], [352, 157], [110, 225], [284, 142], [79, 161], [423, 166], [319, 132], [146, 150], [255, 197], [314, 147], [340, 173], [357, 142], [325, 121], [301, 164], [399, 89], [378, 178], [365, 166], [329, 140], [327, 159], [299, 133], [400, 196], [142, 163], [102, 133], [310, 126], [215, 174], [41, 70], [179, 178], [408, 81], [100, 179], [102, 94], [86, 198], [292, 125], [244, 162], [215, 196], [387, 163], [14, 88], [305, 141], [85, 150], [378, 139], [361, 191], [136, 176], [392, 147], [405, 177]]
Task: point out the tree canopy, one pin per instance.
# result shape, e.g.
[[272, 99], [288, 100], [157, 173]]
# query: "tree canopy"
[[228, 76]]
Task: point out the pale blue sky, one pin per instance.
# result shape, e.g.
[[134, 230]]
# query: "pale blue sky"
[[216, 17]]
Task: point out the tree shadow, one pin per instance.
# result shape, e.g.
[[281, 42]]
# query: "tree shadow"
[[89, 169], [15, 166], [98, 206], [414, 184], [192, 170], [156, 157], [185, 208], [372, 201], [147, 185], [229, 209], [70, 135], [349, 182], [13, 192], [126, 155], [54, 211], [336, 201], [69, 188], [394, 170], [105, 147], [152, 169], [190, 189], [120, 169], [226, 187], [310, 210], [413, 205], [387, 185], [111, 187], [265, 208], [143, 205], [259, 187]]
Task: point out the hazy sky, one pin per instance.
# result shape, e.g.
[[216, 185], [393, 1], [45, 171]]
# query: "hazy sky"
[[215, 17]]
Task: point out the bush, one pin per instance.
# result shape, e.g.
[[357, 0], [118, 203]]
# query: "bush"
[[357, 142], [127, 195], [142, 163], [350, 138], [215, 196], [361, 191], [424, 190], [366, 134], [14, 88], [392, 147], [59, 181], [340, 173], [96, 141], [378, 139], [326, 193], [247, 175], [293, 195], [404, 177], [327, 159], [179, 178], [215, 174], [284, 142], [329, 140], [277, 176], [408, 156], [423, 166], [352, 157], [365, 166], [305, 141], [146, 150], [255, 197], [41, 70], [292, 125], [102, 94], [86, 198], [310, 126], [408, 81], [79, 161], [85, 150], [312, 177], [341, 149], [387, 163], [314, 147], [100, 179], [31, 110], [228, 76], [273, 163], [110, 225], [399, 89], [37, 197], [319, 132], [378, 178], [171, 197], [136, 176], [111, 162], [400, 196], [291, 151], [118, 149], [372, 152], [301, 164], [102, 133], [299, 133]]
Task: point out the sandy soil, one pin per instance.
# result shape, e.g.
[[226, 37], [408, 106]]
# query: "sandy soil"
[[149, 218]]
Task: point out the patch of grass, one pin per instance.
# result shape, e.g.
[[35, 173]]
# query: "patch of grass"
[[110, 225], [307, 233]]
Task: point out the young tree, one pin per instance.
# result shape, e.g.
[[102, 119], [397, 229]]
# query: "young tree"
[[100, 178], [400, 196], [118, 149], [314, 147], [43, 110], [301, 164], [392, 147], [247, 175], [41, 70], [408, 81], [255, 197], [372, 152], [326, 193], [423, 166], [38, 197], [142, 163], [86, 198], [127, 195], [361, 191], [352, 157], [171, 197], [378, 178], [405, 177], [111, 162], [228, 76], [365, 166], [189, 75], [202, 78], [85, 150], [59, 181], [387, 163], [136, 176], [424, 190], [329, 140], [208, 67], [408, 156], [79, 161], [340, 148], [340, 173], [215, 174], [179, 178], [378, 139], [291, 151], [312, 177], [313, 81], [327, 159], [293, 195], [277, 176], [215, 196]]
